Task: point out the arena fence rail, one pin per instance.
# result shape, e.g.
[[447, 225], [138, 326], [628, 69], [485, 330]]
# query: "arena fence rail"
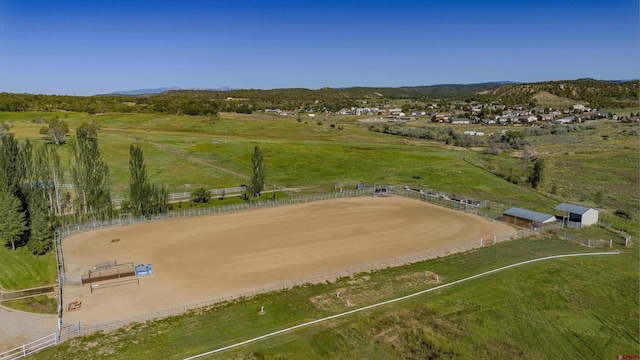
[[75, 329], [481, 208], [30, 348]]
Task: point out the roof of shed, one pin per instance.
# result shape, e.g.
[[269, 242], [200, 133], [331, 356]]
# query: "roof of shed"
[[572, 209], [529, 214]]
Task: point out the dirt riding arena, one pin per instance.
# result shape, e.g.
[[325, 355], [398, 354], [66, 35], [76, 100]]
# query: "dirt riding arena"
[[202, 257]]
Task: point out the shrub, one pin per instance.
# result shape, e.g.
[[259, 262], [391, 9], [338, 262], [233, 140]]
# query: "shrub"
[[201, 195], [623, 214]]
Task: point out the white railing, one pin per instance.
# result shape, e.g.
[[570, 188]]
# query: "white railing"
[[30, 348], [74, 329], [187, 194]]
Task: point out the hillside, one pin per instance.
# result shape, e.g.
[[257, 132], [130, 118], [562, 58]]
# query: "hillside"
[[596, 93], [405, 92]]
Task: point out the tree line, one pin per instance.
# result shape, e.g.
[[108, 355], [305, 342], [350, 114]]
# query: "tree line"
[[33, 202]]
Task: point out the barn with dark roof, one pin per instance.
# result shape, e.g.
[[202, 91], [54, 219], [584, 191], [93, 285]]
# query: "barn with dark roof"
[[527, 218]]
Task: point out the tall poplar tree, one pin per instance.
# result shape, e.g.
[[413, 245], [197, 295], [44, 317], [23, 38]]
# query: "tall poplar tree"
[[90, 177], [144, 198], [46, 163], [137, 180], [10, 178], [258, 177]]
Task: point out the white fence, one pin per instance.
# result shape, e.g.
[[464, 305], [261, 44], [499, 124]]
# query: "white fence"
[[187, 194], [98, 224], [75, 329], [589, 242], [30, 348]]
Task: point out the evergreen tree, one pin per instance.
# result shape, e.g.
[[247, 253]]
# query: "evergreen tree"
[[13, 222], [40, 231]]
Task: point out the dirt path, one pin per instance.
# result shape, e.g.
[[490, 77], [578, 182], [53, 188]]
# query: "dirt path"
[[18, 328], [184, 155], [202, 257]]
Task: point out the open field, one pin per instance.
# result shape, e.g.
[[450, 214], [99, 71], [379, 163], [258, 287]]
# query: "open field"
[[557, 309], [183, 152], [201, 257]]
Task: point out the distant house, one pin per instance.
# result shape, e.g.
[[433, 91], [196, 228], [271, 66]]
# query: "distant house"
[[507, 118], [578, 107], [459, 121], [527, 218], [565, 120], [577, 216]]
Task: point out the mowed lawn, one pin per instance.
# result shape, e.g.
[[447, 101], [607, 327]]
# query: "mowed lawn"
[[572, 308], [20, 269]]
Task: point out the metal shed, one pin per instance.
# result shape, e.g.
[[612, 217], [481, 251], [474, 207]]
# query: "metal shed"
[[526, 218], [577, 216]]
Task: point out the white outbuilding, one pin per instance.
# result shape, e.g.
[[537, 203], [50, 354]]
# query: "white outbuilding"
[[577, 216]]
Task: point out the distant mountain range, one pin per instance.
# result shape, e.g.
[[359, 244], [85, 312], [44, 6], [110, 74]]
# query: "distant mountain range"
[[159, 90], [439, 88], [570, 90]]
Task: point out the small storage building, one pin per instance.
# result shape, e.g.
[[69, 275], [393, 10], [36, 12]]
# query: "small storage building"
[[577, 216], [527, 218]]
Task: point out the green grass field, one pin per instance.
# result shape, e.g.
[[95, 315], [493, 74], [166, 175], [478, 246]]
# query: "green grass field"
[[552, 309], [21, 270], [40, 304]]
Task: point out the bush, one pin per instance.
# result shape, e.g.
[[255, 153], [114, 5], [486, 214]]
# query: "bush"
[[623, 214], [201, 195]]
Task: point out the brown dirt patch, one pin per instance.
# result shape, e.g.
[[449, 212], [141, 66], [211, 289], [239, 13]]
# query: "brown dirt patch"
[[360, 291], [208, 256]]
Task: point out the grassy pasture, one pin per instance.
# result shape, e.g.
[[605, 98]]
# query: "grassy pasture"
[[584, 163], [296, 154], [565, 308]]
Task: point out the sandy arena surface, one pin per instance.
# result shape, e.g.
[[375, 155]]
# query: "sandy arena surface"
[[202, 257]]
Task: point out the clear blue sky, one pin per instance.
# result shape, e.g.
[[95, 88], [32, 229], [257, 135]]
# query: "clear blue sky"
[[89, 47]]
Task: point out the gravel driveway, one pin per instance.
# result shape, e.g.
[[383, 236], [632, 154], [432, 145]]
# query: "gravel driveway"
[[18, 328]]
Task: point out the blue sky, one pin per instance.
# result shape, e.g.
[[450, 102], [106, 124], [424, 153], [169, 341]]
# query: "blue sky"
[[91, 47]]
